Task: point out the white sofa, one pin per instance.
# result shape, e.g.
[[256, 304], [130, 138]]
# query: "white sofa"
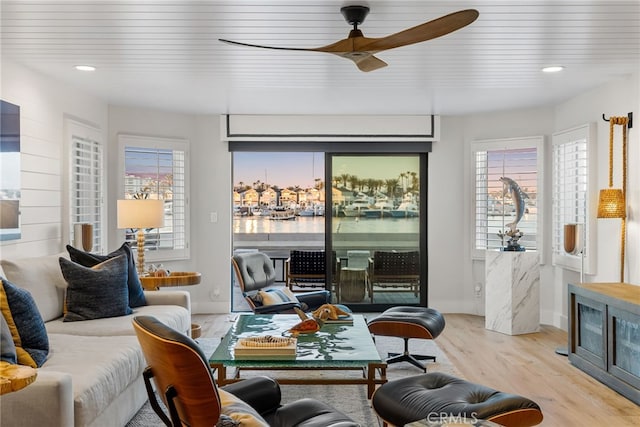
[[93, 375]]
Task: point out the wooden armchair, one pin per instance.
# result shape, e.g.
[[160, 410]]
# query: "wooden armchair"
[[305, 269], [394, 272]]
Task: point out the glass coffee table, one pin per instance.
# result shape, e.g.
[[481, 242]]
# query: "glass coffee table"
[[336, 347]]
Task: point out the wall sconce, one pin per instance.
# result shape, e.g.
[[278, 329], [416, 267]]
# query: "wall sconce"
[[612, 202], [140, 214]]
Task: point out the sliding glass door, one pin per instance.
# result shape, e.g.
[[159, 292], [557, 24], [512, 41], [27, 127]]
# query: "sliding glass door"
[[376, 230], [365, 213]]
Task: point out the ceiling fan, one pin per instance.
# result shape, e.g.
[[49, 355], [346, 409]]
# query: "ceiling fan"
[[361, 49]]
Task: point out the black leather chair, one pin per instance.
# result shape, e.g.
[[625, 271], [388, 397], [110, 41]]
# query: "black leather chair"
[[255, 273], [186, 386], [428, 396]]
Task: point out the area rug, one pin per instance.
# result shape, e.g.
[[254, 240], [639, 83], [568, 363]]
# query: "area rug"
[[350, 399]]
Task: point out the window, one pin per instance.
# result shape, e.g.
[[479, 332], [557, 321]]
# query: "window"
[[572, 184], [156, 168], [494, 205], [86, 180]]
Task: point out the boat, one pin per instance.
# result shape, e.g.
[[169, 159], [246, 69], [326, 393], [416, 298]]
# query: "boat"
[[315, 210], [381, 208], [358, 206], [307, 212], [282, 214], [406, 210]]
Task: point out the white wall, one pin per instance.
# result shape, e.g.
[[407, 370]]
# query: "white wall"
[[43, 106], [210, 181], [453, 275]]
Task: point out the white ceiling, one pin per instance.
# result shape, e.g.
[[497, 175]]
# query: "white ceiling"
[[166, 54]]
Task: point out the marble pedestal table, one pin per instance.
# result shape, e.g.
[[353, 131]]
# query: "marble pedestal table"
[[512, 292]]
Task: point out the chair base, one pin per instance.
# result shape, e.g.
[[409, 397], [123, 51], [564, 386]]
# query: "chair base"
[[408, 357], [411, 358]]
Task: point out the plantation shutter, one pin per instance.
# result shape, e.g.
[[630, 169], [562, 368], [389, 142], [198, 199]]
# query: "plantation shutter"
[[494, 208], [156, 168], [86, 195]]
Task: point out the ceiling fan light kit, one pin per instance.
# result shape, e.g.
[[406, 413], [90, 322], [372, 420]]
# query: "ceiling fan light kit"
[[361, 50]]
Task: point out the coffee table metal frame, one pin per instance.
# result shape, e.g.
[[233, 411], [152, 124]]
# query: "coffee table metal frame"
[[336, 347]]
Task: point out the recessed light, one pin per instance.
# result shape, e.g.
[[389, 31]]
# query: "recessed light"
[[553, 69], [85, 68]]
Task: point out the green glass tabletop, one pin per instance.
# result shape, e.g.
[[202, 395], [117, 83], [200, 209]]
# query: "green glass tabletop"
[[335, 345]]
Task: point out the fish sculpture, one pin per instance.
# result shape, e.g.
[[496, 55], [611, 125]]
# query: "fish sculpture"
[[518, 196], [334, 312], [309, 325]]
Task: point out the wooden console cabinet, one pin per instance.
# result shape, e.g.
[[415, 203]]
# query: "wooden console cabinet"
[[604, 334]]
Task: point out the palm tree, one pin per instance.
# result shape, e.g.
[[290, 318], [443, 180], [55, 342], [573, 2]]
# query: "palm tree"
[[345, 177], [391, 184], [355, 182]]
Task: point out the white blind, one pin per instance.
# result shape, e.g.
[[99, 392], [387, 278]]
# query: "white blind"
[[494, 206], [86, 193], [155, 168]]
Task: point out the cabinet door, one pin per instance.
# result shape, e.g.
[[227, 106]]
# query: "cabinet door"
[[590, 328], [624, 346]]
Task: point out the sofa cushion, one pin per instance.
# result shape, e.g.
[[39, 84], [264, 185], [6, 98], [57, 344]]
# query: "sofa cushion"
[[25, 323], [41, 276], [175, 316], [7, 347], [101, 369], [96, 292], [136, 294]]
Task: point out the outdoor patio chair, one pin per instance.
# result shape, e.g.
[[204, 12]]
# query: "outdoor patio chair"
[[391, 271], [305, 269]]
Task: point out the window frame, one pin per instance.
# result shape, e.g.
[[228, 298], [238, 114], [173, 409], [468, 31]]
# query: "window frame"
[[77, 128], [152, 142], [560, 258], [537, 142]]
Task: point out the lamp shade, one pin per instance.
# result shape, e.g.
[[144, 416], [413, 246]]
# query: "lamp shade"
[[140, 213], [611, 204]]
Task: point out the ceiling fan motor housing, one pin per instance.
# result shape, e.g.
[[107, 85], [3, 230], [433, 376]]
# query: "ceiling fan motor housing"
[[354, 15]]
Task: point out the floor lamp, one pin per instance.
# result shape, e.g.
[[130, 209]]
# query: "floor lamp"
[[140, 214], [574, 242]]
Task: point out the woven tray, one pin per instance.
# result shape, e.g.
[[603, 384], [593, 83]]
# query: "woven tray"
[[245, 350], [176, 278]]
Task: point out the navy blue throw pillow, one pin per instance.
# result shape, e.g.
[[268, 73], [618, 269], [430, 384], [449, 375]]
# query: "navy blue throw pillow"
[[28, 322], [136, 294], [96, 292]]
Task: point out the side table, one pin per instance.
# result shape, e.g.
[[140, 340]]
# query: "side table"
[[353, 284], [176, 278], [15, 377]]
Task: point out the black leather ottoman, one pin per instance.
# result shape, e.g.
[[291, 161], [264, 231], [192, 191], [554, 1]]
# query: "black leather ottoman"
[[436, 395], [406, 323]]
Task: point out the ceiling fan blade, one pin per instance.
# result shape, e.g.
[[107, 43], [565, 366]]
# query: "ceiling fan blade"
[[423, 32], [264, 47], [366, 62]]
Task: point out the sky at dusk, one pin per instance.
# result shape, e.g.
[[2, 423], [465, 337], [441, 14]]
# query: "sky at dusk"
[[291, 169], [281, 169]]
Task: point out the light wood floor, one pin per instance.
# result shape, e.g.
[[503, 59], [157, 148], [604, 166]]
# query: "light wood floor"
[[524, 364]]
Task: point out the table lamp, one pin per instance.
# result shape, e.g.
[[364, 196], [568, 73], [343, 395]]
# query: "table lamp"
[[140, 214]]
